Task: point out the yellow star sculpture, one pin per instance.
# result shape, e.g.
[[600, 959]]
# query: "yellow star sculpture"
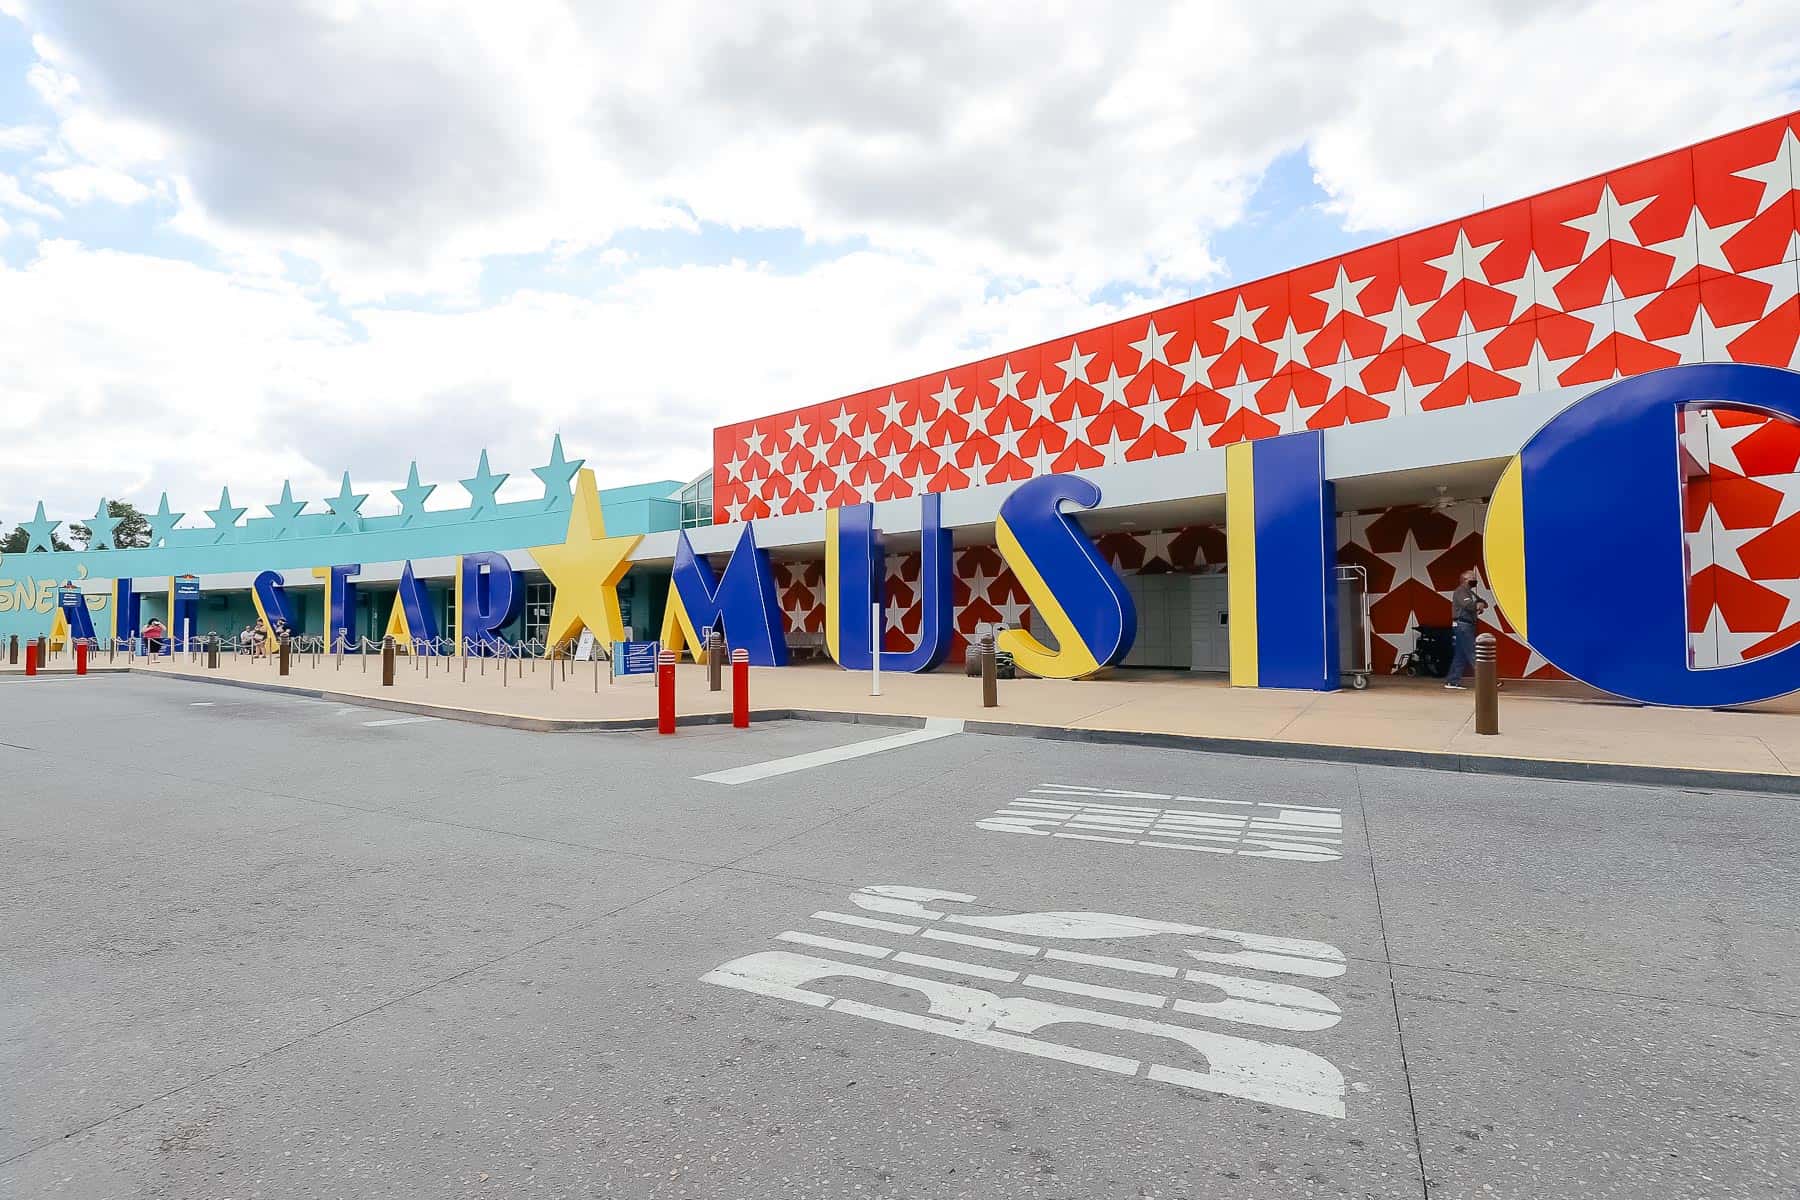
[[586, 570]]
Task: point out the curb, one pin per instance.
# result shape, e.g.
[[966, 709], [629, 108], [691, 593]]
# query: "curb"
[[1564, 770]]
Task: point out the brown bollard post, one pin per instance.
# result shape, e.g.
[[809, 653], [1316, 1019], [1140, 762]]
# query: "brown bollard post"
[[285, 651], [990, 674], [12, 650], [1487, 685], [212, 653], [387, 662], [715, 661]]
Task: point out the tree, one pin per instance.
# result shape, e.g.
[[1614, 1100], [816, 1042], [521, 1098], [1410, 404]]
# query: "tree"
[[131, 533], [16, 541]]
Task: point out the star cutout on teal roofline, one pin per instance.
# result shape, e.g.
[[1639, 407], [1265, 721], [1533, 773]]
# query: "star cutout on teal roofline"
[[39, 534], [284, 511], [163, 522], [100, 528], [412, 497], [225, 517], [557, 474], [346, 507], [482, 488]]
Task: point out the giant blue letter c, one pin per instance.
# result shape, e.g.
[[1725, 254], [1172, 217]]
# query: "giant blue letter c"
[[1584, 540]]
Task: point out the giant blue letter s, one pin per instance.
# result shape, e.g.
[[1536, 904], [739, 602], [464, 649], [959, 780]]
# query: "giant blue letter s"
[[1075, 591]]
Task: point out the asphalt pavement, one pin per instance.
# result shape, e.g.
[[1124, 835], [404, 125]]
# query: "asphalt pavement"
[[258, 946]]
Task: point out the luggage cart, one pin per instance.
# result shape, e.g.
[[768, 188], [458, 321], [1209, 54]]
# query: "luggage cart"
[[1355, 653]]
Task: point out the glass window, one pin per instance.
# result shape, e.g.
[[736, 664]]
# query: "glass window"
[[696, 502], [539, 597]]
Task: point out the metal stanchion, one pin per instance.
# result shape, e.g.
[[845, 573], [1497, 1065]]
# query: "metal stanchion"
[[990, 673], [875, 649], [387, 662], [1487, 684]]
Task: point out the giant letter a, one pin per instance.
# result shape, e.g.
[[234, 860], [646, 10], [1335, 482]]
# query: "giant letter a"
[[742, 599]]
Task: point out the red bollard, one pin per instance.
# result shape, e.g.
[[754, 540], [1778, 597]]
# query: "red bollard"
[[81, 658], [665, 691], [31, 658], [740, 689]]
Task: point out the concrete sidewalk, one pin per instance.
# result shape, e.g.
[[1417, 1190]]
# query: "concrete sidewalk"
[[1554, 729]]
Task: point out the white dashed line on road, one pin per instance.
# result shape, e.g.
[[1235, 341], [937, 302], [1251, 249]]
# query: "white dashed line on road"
[[399, 721], [935, 728]]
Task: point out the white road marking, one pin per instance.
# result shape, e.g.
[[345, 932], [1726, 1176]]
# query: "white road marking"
[[399, 721], [1252, 829], [865, 922], [955, 966], [1234, 1065], [201, 704], [866, 949], [935, 728]]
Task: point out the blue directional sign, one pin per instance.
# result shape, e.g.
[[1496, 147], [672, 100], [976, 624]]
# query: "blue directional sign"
[[635, 658]]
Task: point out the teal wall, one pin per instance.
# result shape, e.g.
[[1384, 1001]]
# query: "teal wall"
[[291, 542]]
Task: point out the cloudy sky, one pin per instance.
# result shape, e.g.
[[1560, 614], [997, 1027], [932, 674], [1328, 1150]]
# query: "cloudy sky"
[[243, 241]]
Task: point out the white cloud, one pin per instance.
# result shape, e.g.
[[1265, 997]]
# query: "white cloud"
[[391, 154], [1504, 101], [193, 379], [86, 183], [22, 137], [14, 197]]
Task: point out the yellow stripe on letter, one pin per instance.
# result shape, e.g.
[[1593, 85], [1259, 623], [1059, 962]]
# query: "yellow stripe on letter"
[[1071, 659], [1240, 561], [1503, 546], [832, 567]]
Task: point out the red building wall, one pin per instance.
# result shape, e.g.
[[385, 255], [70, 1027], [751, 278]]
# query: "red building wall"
[[1690, 256]]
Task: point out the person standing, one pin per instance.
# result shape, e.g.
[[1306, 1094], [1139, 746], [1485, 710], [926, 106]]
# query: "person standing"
[[154, 635], [1465, 609]]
